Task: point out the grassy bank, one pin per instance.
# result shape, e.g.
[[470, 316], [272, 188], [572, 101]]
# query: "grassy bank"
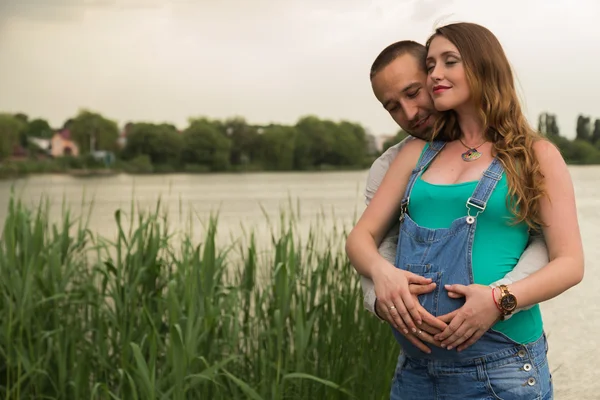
[[152, 315]]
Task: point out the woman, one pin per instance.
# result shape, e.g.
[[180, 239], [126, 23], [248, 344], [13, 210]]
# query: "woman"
[[478, 190]]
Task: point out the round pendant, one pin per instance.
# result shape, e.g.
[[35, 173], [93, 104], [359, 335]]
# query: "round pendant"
[[471, 155]]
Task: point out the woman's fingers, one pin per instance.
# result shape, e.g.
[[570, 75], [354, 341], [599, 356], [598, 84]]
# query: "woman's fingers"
[[478, 334]]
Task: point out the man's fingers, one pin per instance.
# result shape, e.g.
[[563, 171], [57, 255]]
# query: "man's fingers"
[[416, 341], [426, 337], [421, 289], [447, 318], [454, 295], [412, 312], [433, 322], [459, 337], [425, 327], [381, 309], [450, 329]]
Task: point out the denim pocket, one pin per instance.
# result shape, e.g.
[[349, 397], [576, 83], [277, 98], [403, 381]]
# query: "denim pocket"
[[424, 270], [429, 301], [516, 381]]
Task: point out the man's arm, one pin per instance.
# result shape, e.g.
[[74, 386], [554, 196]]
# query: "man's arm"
[[387, 248]]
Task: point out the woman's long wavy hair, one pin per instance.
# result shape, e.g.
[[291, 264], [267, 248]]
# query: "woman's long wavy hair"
[[492, 87]]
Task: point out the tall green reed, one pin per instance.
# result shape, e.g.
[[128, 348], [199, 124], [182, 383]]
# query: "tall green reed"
[[151, 314]]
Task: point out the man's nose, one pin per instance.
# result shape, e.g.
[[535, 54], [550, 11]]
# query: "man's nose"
[[411, 111]]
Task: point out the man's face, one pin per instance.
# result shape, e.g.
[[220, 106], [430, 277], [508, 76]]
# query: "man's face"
[[401, 87]]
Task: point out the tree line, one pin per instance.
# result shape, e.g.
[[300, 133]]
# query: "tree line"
[[584, 148], [205, 145], [211, 145]]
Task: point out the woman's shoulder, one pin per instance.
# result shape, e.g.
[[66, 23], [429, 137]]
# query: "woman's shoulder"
[[414, 146], [408, 156], [547, 153]]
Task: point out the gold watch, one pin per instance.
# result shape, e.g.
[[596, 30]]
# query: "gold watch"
[[508, 301]]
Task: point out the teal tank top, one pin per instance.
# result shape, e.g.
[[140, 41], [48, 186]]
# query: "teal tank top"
[[497, 246]]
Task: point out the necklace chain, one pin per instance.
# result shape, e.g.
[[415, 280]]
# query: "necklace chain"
[[474, 147]]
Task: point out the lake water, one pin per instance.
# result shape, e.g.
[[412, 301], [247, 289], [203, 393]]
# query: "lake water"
[[334, 198]]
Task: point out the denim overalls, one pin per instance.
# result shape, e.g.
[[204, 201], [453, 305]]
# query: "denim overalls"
[[495, 367]]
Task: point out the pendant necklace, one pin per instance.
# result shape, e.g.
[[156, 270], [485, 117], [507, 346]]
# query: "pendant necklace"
[[471, 154]]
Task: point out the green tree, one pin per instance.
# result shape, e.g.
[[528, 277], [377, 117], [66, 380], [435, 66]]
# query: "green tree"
[[596, 133], [277, 147], [580, 152], [350, 145], [22, 117], [39, 128], [92, 131], [400, 136], [11, 129], [68, 123], [583, 128], [244, 140], [161, 142], [314, 141], [547, 124], [553, 126], [205, 145]]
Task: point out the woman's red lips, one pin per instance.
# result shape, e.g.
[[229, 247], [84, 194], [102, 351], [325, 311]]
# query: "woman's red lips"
[[440, 88]]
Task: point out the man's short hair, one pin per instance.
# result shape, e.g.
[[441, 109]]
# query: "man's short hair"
[[396, 50]]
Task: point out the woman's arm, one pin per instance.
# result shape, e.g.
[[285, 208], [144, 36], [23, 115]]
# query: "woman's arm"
[[561, 231], [534, 258], [391, 284]]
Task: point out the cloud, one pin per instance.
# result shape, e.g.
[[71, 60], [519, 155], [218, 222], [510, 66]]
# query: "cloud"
[[425, 10], [40, 10], [68, 10]]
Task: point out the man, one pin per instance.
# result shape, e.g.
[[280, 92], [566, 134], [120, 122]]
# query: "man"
[[398, 80]]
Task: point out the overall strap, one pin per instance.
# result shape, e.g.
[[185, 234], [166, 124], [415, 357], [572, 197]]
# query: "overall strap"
[[432, 151], [485, 187]]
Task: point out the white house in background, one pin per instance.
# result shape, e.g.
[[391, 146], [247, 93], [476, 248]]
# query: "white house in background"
[[59, 146], [62, 145], [43, 144]]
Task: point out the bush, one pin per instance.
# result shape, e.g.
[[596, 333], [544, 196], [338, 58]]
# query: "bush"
[[154, 315], [139, 164]]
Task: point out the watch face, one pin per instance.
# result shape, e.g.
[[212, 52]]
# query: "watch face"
[[508, 302]]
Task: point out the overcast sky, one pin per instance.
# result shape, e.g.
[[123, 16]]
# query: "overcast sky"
[[271, 60]]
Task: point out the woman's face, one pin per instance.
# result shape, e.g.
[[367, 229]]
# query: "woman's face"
[[446, 78]]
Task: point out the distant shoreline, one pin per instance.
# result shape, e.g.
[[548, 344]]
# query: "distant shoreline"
[[93, 173]]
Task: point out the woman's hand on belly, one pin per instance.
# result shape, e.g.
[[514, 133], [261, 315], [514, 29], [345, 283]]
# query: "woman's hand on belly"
[[467, 324], [391, 288], [429, 327]]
